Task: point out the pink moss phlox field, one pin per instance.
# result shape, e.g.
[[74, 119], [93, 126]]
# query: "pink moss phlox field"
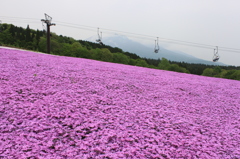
[[61, 107]]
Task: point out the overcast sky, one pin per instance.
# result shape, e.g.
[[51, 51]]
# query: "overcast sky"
[[209, 22]]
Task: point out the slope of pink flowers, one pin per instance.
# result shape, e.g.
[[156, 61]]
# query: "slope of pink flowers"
[[54, 107]]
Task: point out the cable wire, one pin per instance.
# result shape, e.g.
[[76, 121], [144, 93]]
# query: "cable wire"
[[129, 34]]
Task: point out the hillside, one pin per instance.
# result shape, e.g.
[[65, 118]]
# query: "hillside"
[[64, 107]]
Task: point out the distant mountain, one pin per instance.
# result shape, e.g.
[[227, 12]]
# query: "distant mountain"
[[141, 50]]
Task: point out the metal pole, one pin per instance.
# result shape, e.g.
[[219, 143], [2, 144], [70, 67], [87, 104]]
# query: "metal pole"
[[48, 20], [48, 38]]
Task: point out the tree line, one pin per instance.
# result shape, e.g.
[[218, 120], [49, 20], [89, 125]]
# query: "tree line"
[[30, 39]]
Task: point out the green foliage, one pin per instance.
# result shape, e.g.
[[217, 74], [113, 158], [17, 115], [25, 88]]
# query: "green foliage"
[[28, 34], [176, 68], [216, 71], [5, 37], [76, 49], [141, 62], [152, 66], [222, 73], [212, 72], [131, 55], [17, 36], [42, 46], [101, 54], [105, 55], [232, 74], [120, 58], [56, 47], [208, 72], [236, 75], [164, 64], [132, 62]]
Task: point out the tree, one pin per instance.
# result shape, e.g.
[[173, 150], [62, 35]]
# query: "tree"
[[164, 64], [132, 62], [76, 49], [208, 72], [176, 68], [236, 75], [141, 62], [28, 34], [84, 53], [216, 71], [56, 48], [106, 55], [66, 49], [103, 55], [120, 58], [42, 46], [233, 74], [38, 36], [12, 30]]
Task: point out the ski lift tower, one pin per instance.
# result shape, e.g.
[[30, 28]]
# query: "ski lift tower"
[[48, 21]]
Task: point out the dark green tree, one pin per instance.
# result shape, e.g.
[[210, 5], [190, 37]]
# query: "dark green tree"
[[28, 34]]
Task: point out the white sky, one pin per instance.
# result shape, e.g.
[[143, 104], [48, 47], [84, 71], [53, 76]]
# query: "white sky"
[[211, 22]]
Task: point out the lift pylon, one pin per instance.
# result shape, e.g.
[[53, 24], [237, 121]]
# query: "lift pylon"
[[48, 21]]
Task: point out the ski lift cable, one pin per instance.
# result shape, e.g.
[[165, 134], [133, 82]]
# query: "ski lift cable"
[[147, 37], [142, 36], [238, 52], [163, 41], [226, 48], [76, 27]]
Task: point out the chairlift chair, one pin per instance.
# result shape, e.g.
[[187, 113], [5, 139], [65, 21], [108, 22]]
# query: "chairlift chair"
[[215, 59], [99, 40], [156, 49], [216, 55]]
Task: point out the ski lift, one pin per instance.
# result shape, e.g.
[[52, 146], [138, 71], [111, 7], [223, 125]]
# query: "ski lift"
[[216, 55], [99, 40], [156, 49]]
